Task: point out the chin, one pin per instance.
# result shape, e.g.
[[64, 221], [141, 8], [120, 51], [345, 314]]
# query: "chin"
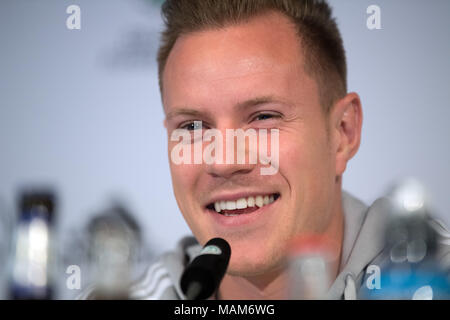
[[245, 265]]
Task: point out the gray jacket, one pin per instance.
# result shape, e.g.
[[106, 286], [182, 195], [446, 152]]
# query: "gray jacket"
[[362, 246]]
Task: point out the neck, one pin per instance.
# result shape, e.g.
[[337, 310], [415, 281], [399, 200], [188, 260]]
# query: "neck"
[[265, 287], [272, 285]]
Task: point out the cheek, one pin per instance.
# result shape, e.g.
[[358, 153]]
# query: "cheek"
[[306, 165], [183, 180], [296, 158], [304, 153], [186, 181], [183, 175]]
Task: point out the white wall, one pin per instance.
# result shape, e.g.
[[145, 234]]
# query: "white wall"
[[81, 109]]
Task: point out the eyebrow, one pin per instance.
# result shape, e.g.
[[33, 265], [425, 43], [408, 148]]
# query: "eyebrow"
[[257, 101], [183, 111], [254, 102]]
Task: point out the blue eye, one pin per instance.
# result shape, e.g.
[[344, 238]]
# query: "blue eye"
[[265, 116], [193, 125]]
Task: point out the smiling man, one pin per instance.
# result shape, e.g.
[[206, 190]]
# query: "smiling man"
[[263, 65], [260, 65], [252, 74]]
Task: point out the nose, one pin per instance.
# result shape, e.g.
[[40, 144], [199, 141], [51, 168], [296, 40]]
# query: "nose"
[[228, 171], [237, 158]]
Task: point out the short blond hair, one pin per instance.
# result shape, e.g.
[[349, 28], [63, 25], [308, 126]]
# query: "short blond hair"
[[323, 47]]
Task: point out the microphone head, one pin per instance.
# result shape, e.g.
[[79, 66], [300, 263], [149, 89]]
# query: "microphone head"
[[206, 271]]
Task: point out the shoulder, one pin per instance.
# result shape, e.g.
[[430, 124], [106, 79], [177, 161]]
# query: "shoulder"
[[155, 284], [160, 280], [443, 241]]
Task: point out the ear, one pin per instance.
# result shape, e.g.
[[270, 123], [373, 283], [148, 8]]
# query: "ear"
[[346, 123]]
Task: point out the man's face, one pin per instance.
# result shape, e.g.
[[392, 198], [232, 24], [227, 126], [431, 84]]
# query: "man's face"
[[209, 77]]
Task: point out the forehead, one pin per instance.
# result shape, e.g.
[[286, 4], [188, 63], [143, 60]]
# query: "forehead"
[[265, 49]]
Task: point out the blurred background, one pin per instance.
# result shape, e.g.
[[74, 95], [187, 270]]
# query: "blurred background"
[[80, 110]]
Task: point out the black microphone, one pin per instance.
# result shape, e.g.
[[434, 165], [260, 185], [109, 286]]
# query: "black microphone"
[[203, 275]]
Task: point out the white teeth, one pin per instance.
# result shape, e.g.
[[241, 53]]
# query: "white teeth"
[[243, 203], [259, 201], [231, 205]]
